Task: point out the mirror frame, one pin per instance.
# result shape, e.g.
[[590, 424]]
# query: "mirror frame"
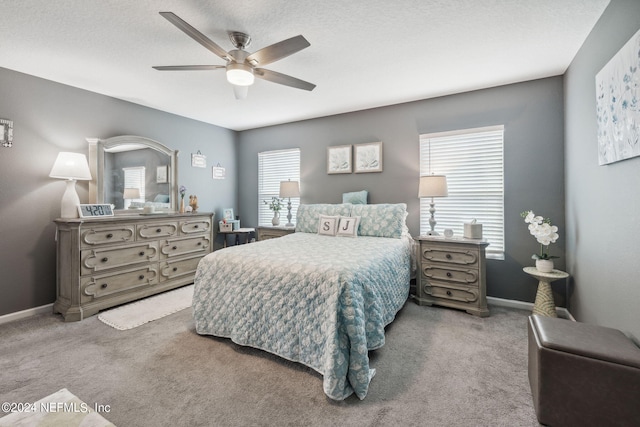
[[97, 148]]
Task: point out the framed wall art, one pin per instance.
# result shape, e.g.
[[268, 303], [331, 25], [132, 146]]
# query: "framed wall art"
[[339, 159], [618, 112], [6, 133], [368, 157], [198, 160], [162, 174]]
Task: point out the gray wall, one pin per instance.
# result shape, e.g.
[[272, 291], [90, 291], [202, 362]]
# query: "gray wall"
[[532, 113], [603, 202], [49, 118]]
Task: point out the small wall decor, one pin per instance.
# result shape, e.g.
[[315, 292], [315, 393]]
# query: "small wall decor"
[[162, 174], [6, 133], [339, 159], [617, 95], [368, 157], [198, 160], [218, 172], [227, 214]]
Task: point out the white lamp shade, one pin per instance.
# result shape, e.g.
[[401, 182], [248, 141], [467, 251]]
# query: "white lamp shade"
[[433, 186], [289, 189], [71, 166], [131, 193]]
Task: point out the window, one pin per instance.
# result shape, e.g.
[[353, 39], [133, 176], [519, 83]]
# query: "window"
[[134, 177], [273, 167], [472, 161]]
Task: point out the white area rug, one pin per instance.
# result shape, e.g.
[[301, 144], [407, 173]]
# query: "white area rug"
[[149, 309], [61, 408]]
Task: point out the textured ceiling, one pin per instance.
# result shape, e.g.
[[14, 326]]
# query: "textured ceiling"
[[363, 53]]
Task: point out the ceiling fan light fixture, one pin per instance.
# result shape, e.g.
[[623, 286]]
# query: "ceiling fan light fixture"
[[240, 74]]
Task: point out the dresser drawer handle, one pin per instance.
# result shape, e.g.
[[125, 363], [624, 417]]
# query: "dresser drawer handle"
[[195, 226], [199, 243], [175, 268], [104, 286], [109, 236], [141, 277], [449, 293], [174, 248], [158, 230], [141, 253], [105, 259], [449, 274], [448, 256]]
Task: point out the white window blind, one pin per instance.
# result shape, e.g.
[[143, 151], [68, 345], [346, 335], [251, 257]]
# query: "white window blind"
[[273, 167], [472, 161], [134, 177]]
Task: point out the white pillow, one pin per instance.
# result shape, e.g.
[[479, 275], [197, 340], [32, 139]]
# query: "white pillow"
[[328, 225], [348, 226]]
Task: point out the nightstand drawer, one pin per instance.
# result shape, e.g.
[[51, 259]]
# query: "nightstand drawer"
[[448, 292], [450, 274], [450, 255]]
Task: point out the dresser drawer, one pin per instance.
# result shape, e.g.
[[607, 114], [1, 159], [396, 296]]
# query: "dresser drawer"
[[157, 230], [449, 292], [176, 268], [99, 286], [200, 225], [450, 274], [99, 259], [450, 255], [116, 234], [184, 246]]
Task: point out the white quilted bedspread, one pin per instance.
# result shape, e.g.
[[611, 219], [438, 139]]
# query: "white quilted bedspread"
[[322, 301]]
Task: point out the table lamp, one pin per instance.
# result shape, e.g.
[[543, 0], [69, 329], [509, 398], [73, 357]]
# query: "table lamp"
[[130, 194], [71, 167], [289, 189], [432, 186]]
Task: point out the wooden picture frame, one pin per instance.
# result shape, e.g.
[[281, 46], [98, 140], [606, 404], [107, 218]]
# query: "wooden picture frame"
[[339, 159], [162, 174], [368, 157]]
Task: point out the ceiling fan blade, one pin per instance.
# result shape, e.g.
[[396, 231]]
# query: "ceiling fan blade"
[[282, 79], [187, 67], [196, 35], [278, 51]]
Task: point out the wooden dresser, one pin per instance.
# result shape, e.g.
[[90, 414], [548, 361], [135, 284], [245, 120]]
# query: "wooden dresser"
[[452, 274], [271, 232], [103, 262]]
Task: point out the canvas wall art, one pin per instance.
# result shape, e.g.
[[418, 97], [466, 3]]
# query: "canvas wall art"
[[618, 105]]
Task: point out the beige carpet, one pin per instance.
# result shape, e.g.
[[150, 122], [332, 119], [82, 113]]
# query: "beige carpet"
[[61, 408], [148, 309]]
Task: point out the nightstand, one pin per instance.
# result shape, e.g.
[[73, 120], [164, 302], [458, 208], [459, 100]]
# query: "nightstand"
[[271, 232], [452, 274]]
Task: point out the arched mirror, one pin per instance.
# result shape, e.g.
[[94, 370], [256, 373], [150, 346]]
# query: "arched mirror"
[[131, 172]]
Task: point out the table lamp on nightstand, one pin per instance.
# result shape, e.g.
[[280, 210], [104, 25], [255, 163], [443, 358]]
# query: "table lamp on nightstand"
[[289, 189], [432, 186], [130, 194]]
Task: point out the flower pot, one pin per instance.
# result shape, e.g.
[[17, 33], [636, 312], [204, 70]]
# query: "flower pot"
[[544, 265], [276, 218]]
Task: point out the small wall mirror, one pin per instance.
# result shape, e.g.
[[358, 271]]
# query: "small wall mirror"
[[131, 172]]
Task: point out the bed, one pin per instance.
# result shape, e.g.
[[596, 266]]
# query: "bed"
[[322, 300]]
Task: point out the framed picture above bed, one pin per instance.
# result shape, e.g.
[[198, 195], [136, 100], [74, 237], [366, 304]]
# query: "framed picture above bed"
[[368, 157], [339, 159]]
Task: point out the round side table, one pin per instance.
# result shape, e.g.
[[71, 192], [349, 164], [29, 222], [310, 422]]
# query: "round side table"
[[544, 305]]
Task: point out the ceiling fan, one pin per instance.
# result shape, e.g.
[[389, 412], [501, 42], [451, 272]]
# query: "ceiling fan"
[[242, 66]]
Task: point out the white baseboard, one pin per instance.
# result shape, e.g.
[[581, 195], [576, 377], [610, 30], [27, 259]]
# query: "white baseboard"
[[26, 313], [562, 312]]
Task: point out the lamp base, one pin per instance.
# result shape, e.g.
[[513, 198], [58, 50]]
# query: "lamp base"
[[70, 201]]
